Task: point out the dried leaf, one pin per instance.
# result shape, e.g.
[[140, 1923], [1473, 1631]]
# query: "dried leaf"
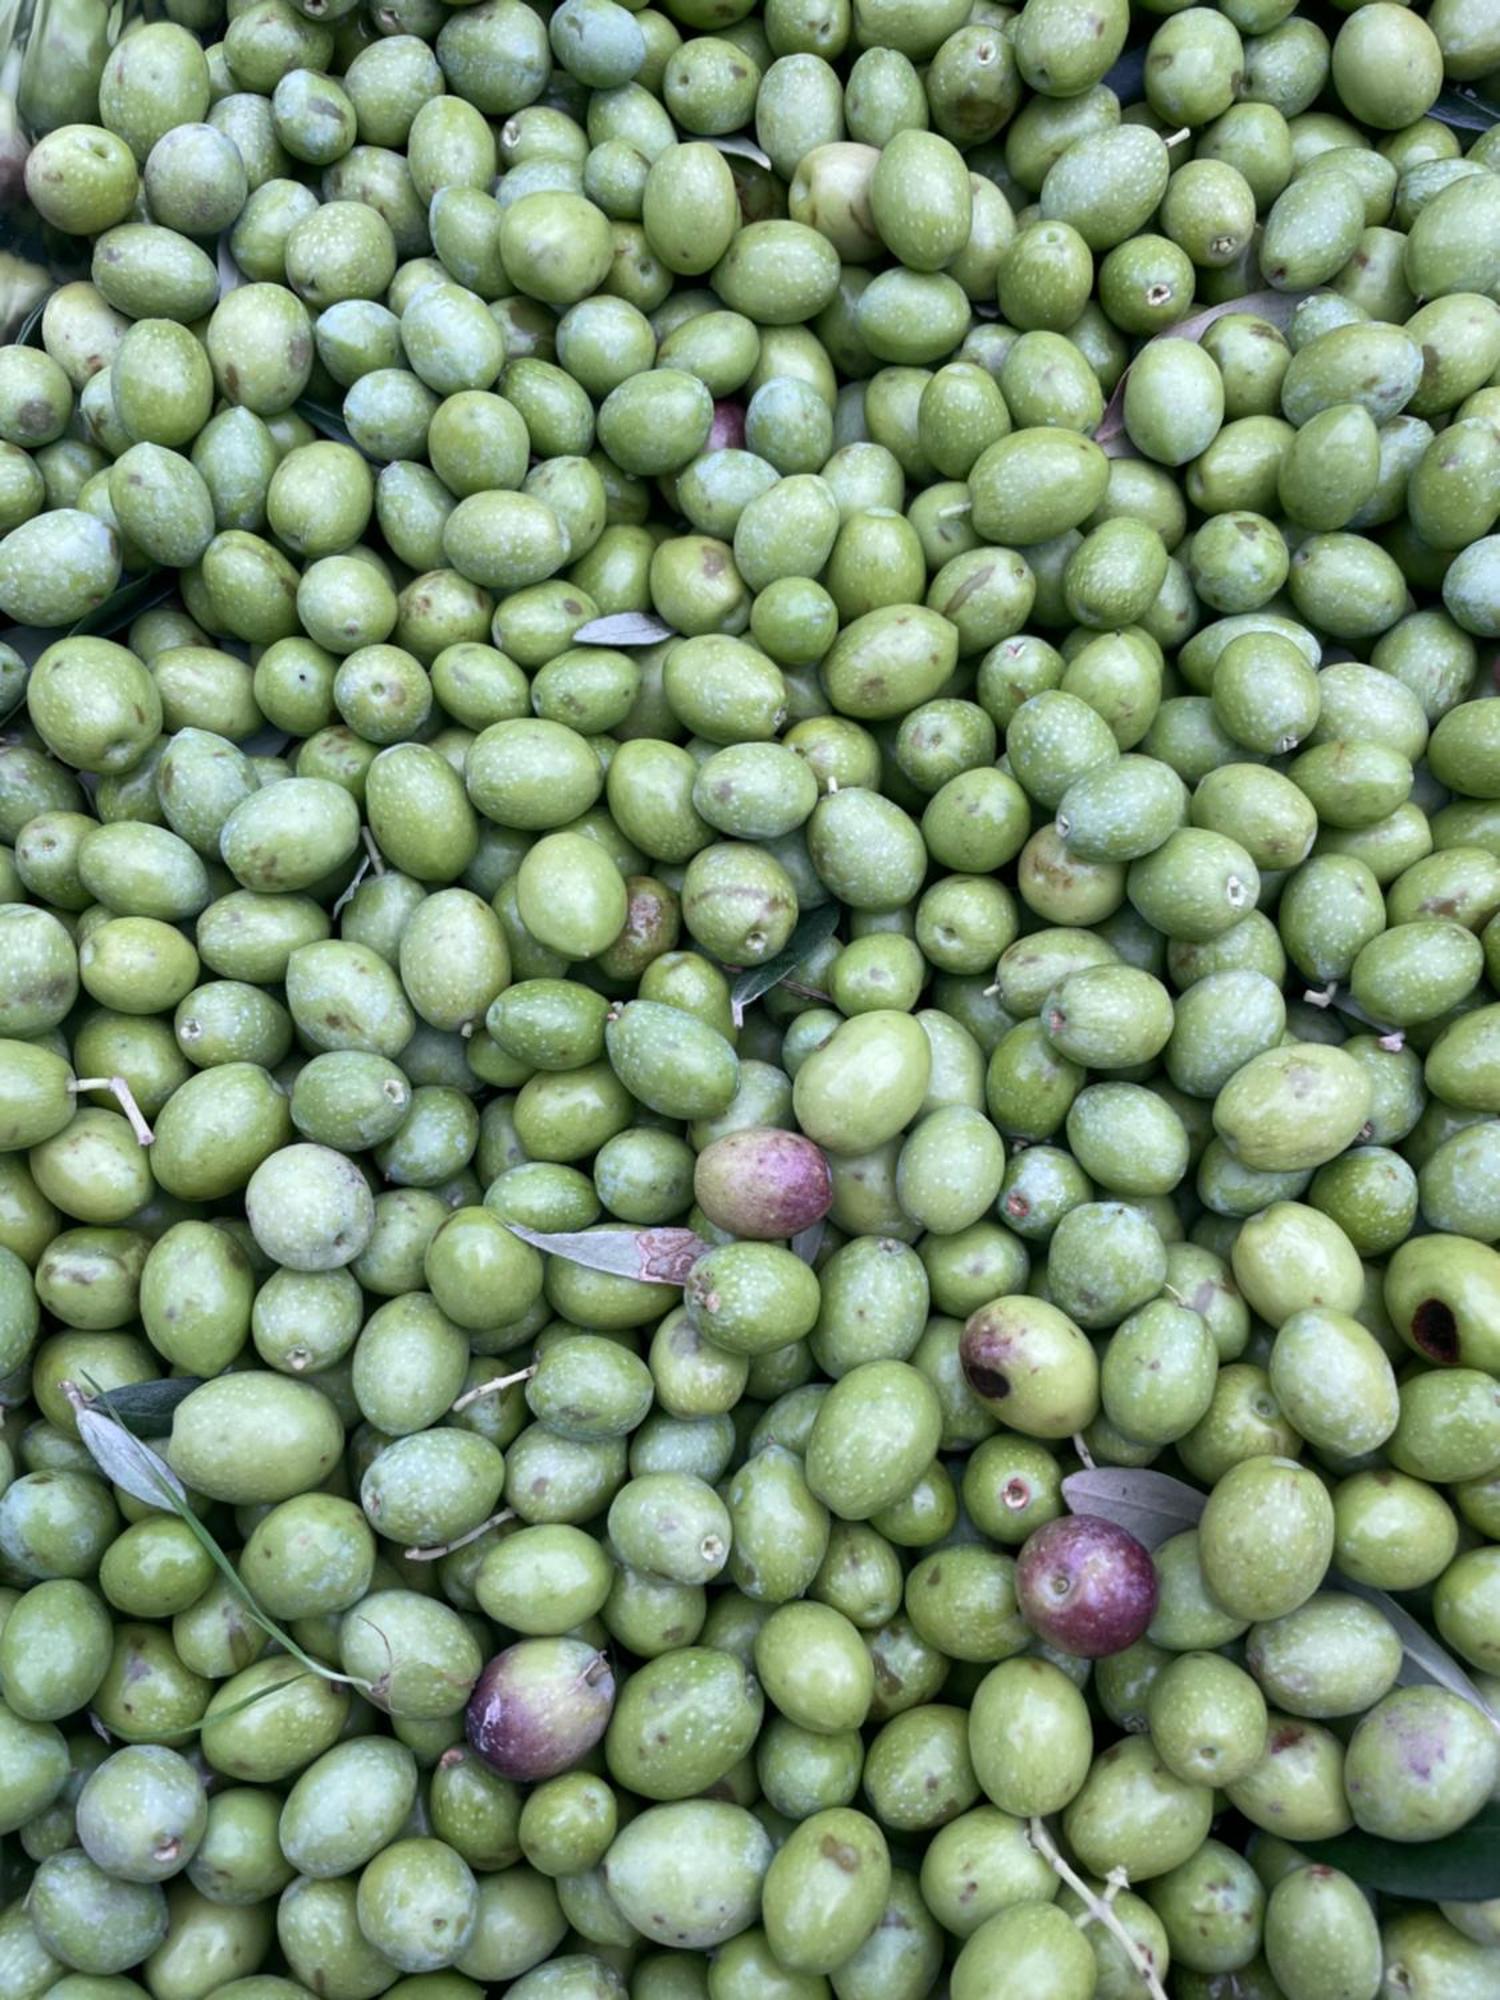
[[145, 1408], [811, 931], [655, 1256], [1464, 1867], [126, 604], [1152, 1506], [1277, 307], [129, 1464], [742, 148], [624, 628], [1424, 1660]]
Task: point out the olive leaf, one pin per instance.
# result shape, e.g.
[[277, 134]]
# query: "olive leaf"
[[1464, 108], [1152, 1506], [1423, 1658], [812, 929], [32, 324], [329, 422], [124, 1460], [808, 1242], [1463, 1867], [124, 605], [654, 1256], [139, 1471], [741, 147], [145, 1408], [625, 628], [1277, 307]]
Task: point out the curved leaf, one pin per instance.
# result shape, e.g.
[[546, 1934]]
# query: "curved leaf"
[[1424, 1660], [624, 628], [1464, 1867], [812, 929], [1277, 307], [145, 1408], [124, 605], [129, 1464], [1152, 1506], [654, 1256]]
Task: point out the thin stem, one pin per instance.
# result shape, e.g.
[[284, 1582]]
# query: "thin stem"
[[491, 1388], [124, 1096], [1098, 1909], [461, 1541], [377, 859], [1081, 1447]]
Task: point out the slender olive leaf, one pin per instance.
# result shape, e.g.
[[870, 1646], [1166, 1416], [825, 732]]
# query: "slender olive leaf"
[[808, 1242], [625, 628], [811, 931], [115, 1450], [145, 1408], [125, 604], [1424, 1659], [127, 1463], [329, 422], [28, 334], [1277, 307], [741, 147], [1464, 108], [1463, 1867], [655, 1256], [1152, 1506]]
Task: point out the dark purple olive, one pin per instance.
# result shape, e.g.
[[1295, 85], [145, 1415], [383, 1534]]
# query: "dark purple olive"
[[1086, 1586], [539, 1706], [763, 1182]]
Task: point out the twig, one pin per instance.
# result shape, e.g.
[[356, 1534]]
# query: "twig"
[[124, 1096], [491, 1388], [461, 1541], [377, 859], [1080, 1446], [1098, 1909]]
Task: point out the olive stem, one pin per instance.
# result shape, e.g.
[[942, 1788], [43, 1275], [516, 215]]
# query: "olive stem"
[[491, 1388], [1098, 1909], [124, 1096], [1083, 1451], [377, 859], [461, 1541]]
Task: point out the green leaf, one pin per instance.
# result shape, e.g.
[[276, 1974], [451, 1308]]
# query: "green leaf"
[[125, 604], [812, 930], [145, 1408], [329, 422], [153, 1481], [1464, 1867]]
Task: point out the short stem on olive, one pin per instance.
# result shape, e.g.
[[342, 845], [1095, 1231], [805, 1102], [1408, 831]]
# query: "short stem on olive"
[[124, 1096], [377, 859], [1097, 1909], [461, 1541], [491, 1388], [1080, 1445]]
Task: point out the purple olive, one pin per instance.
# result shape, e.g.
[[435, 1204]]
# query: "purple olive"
[[1086, 1586], [763, 1183], [539, 1706]]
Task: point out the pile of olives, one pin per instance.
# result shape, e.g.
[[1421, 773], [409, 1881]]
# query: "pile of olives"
[[750, 1001]]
